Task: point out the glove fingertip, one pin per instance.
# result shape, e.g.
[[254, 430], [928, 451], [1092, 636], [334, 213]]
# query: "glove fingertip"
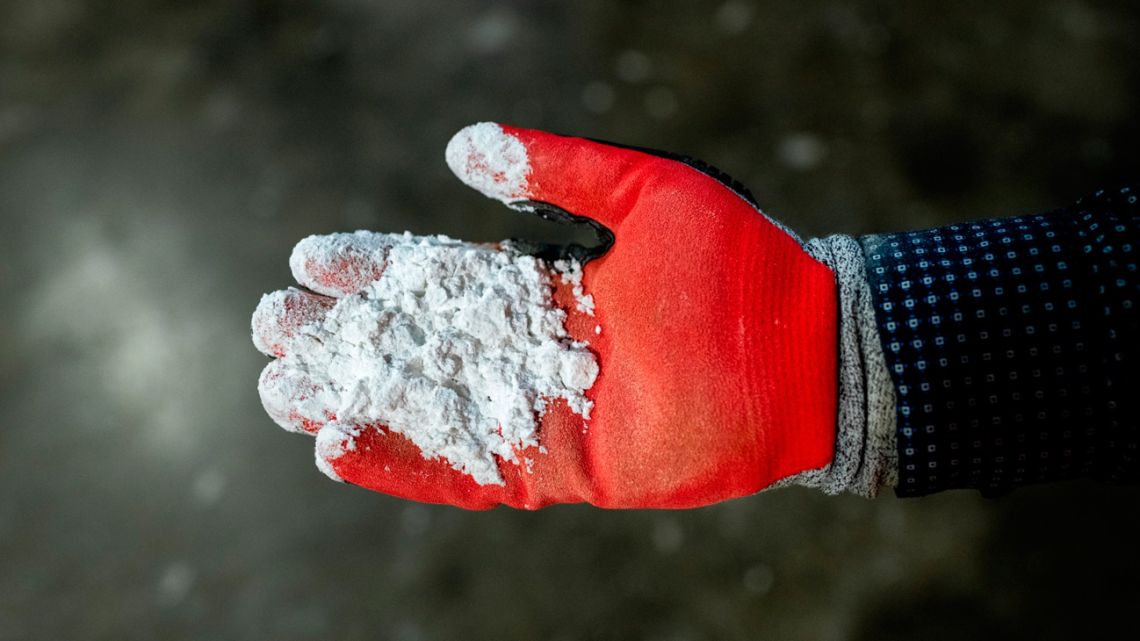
[[490, 160], [293, 400], [340, 265], [333, 441]]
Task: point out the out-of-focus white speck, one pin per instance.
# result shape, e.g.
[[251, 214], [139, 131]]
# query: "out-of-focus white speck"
[[598, 97], [733, 17], [633, 66], [208, 487], [802, 151], [175, 583], [759, 579], [492, 31]]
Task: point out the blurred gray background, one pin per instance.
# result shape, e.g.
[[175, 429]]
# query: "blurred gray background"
[[159, 159]]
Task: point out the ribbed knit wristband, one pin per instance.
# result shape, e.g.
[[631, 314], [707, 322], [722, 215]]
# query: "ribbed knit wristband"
[[865, 449]]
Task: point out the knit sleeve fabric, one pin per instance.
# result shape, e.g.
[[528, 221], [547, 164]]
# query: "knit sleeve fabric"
[[1013, 346]]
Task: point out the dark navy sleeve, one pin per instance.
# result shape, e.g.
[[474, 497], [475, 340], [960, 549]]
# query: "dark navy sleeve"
[[1013, 346]]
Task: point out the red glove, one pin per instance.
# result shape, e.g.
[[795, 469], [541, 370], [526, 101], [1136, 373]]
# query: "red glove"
[[717, 356]]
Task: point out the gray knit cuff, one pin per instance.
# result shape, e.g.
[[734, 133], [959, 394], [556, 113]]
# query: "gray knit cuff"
[[865, 446]]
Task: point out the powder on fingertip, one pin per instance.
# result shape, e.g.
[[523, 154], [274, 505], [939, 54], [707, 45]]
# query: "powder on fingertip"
[[490, 160]]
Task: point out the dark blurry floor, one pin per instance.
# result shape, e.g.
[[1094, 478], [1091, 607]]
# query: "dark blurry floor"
[[158, 161]]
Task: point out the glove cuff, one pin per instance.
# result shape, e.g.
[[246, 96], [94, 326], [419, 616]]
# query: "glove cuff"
[[866, 456]]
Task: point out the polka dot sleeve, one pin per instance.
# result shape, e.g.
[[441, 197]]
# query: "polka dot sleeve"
[[1013, 345]]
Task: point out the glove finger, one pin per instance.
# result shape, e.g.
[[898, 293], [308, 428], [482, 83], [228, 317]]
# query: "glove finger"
[[294, 400], [340, 265], [584, 178], [380, 460], [284, 315]]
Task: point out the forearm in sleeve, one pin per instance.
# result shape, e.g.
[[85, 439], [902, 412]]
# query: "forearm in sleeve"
[[1012, 346]]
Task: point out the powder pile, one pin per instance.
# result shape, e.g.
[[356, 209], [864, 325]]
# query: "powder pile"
[[457, 346]]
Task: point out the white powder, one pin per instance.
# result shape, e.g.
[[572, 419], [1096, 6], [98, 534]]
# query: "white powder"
[[490, 160], [457, 346], [571, 271]]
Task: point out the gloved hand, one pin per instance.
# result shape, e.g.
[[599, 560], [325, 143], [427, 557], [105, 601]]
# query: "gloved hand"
[[717, 350]]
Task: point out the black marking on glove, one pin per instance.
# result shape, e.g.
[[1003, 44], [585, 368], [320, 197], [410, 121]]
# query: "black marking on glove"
[[705, 168], [552, 252]]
